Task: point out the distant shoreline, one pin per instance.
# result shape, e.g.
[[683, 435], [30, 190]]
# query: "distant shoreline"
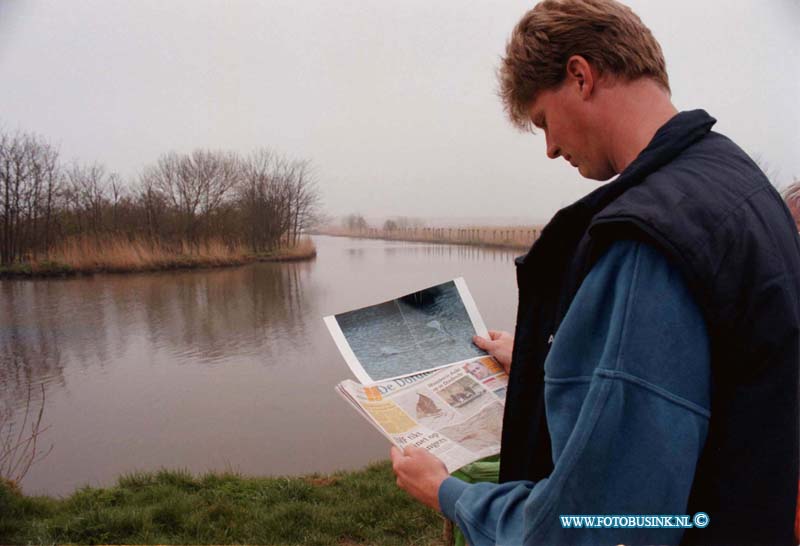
[[505, 237]]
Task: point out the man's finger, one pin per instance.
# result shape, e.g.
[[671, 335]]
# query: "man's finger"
[[494, 334], [395, 454]]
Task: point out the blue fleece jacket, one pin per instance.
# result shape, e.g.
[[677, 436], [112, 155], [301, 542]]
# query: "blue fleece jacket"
[[627, 396]]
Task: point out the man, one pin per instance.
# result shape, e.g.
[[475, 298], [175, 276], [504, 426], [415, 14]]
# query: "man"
[[791, 196], [655, 359]]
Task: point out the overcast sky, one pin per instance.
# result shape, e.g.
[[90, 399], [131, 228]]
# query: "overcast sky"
[[393, 102]]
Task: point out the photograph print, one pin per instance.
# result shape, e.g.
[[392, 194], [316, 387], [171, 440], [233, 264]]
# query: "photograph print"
[[421, 331]]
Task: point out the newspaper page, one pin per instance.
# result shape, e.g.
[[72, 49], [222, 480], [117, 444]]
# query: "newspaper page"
[[455, 412], [421, 331]]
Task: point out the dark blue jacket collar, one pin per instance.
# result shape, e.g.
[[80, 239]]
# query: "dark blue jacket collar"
[[672, 138]]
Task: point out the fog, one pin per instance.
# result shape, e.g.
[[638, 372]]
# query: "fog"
[[393, 102]]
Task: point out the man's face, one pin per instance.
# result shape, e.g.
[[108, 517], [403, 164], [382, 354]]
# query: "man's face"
[[565, 119]]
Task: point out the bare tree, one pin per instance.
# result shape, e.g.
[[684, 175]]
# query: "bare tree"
[[153, 207], [255, 194], [52, 179], [265, 196], [86, 197], [19, 444], [304, 199], [28, 187], [355, 222], [195, 186], [172, 178], [116, 196], [264, 200], [216, 174]]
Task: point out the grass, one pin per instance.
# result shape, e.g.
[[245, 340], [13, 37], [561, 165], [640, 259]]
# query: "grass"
[[87, 255], [514, 237], [175, 507]]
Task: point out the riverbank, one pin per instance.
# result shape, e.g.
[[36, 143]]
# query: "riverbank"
[[174, 507], [510, 237], [86, 257]]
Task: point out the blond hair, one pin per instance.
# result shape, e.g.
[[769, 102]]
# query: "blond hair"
[[609, 35]]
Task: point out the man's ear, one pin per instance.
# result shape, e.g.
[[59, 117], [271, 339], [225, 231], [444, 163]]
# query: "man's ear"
[[579, 72]]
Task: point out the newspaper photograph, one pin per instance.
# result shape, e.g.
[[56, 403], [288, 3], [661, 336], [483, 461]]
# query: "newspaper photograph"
[[421, 331], [455, 412]]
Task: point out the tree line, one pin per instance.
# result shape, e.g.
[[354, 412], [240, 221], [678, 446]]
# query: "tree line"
[[181, 201]]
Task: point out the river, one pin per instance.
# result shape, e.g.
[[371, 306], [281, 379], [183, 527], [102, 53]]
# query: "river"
[[215, 369]]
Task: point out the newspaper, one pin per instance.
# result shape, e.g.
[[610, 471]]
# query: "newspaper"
[[422, 380], [455, 412]]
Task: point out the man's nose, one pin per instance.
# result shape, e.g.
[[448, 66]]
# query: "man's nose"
[[553, 151]]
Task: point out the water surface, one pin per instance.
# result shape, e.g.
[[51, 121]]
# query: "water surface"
[[218, 369]]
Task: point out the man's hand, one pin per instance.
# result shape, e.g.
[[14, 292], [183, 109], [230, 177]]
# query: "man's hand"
[[499, 345], [419, 474]]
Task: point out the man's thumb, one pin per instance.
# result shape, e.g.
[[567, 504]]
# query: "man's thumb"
[[481, 342]]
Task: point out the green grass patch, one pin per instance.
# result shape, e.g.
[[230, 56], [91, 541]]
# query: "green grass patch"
[[174, 507]]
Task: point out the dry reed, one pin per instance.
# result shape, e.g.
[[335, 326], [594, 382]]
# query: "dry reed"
[[302, 250], [121, 254]]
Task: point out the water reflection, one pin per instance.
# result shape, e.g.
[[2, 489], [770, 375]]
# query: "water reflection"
[[30, 351], [217, 316], [215, 368], [209, 317], [460, 252], [355, 252]]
